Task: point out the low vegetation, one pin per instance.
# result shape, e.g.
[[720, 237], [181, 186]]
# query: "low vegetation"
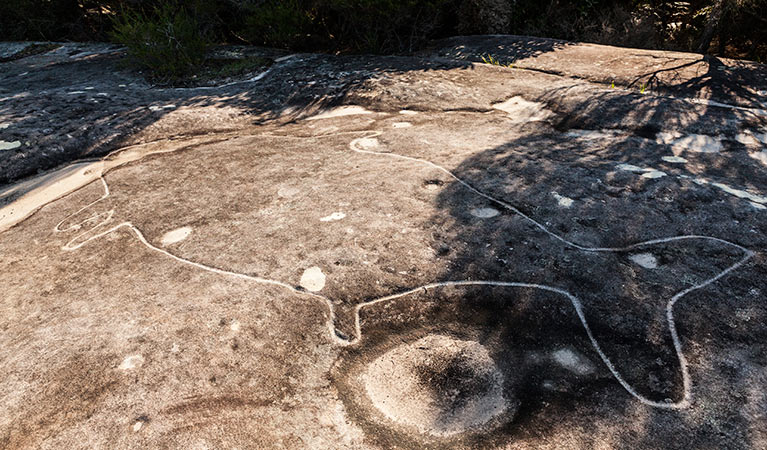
[[490, 59], [170, 38], [169, 41], [372, 26]]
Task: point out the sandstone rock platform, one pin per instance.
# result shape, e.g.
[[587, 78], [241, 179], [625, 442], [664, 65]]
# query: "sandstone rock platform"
[[564, 250]]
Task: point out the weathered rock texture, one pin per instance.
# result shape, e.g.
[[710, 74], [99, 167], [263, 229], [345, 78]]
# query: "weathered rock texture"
[[546, 260]]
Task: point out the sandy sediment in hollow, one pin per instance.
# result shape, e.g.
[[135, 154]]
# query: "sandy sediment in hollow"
[[438, 385]]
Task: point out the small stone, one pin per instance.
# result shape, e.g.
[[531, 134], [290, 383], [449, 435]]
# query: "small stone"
[[591, 134], [563, 201], [160, 108], [313, 279], [760, 156], [367, 143], [520, 110], [746, 139], [666, 137], [177, 235], [349, 110], [333, 217], [653, 174], [645, 171], [484, 213], [646, 260], [674, 159], [740, 193], [131, 362], [4, 145], [573, 361], [288, 191], [630, 168], [699, 143]]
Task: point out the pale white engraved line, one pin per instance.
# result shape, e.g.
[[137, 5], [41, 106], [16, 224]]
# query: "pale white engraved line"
[[748, 254]]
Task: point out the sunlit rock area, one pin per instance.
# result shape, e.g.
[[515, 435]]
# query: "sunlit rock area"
[[561, 250]]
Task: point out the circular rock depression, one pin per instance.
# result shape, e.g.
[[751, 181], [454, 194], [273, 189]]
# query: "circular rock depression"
[[438, 385]]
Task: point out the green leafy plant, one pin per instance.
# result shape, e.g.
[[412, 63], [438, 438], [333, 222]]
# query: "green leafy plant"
[[489, 59], [284, 24], [168, 41], [731, 28], [372, 26]]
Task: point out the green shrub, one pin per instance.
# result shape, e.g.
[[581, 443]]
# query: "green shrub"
[[377, 26], [41, 19], [169, 41], [151, 28], [385, 26], [284, 24]]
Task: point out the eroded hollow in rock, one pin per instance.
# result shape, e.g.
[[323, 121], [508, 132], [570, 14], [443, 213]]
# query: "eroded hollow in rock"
[[437, 385]]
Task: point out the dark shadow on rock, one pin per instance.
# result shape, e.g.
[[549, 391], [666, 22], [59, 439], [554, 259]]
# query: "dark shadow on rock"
[[68, 105], [734, 83], [526, 329], [505, 49], [78, 101], [624, 302], [705, 77]]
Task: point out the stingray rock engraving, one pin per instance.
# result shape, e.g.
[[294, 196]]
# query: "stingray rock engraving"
[[99, 218]]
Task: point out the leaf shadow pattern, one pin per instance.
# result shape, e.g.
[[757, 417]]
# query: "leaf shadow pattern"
[[615, 237], [69, 104], [615, 210], [480, 272]]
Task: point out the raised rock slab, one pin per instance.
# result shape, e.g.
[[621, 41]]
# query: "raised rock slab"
[[704, 78]]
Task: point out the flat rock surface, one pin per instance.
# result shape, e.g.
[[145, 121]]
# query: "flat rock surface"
[[697, 77], [379, 252]]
